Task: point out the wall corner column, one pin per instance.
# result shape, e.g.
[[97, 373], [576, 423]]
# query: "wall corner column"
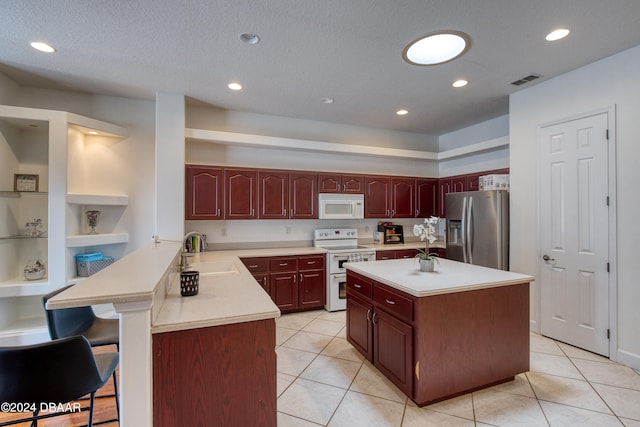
[[170, 159]]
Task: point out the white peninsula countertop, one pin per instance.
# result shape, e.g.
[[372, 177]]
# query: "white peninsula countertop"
[[449, 276]]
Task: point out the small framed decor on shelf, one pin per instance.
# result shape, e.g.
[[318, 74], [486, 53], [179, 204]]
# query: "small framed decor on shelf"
[[23, 182]]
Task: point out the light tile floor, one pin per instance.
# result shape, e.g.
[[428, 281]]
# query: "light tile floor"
[[324, 381]]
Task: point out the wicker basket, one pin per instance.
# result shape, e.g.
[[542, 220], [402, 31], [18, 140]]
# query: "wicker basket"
[[87, 268]]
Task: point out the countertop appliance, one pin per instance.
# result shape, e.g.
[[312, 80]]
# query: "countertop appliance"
[[342, 246], [478, 228], [340, 206], [393, 234]]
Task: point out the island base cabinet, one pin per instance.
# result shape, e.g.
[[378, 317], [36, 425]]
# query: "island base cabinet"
[[392, 351], [359, 332], [215, 376]]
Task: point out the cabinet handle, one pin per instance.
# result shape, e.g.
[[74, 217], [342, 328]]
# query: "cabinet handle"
[[290, 213], [264, 281], [417, 213], [284, 212], [390, 302], [284, 264], [344, 187], [301, 277], [253, 211], [294, 278], [417, 369], [218, 212], [357, 286], [253, 266], [387, 212], [373, 318], [369, 315], [310, 262]]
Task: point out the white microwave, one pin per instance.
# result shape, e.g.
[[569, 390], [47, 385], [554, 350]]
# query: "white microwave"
[[340, 206]]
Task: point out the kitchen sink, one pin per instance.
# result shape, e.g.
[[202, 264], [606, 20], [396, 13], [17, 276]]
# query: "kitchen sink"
[[214, 267]]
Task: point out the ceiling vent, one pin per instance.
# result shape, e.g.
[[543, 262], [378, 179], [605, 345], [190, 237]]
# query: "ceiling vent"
[[526, 79]]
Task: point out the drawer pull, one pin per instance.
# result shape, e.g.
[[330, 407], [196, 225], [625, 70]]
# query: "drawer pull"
[[388, 301], [417, 369], [357, 286], [284, 264], [253, 266], [310, 262]]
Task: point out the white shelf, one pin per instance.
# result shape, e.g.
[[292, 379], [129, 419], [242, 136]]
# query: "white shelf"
[[98, 199], [82, 240], [19, 287], [25, 331]]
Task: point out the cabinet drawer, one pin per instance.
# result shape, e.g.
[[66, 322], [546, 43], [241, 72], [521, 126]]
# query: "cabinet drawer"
[[256, 265], [406, 253], [393, 302], [315, 262], [283, 264], [359, 285]]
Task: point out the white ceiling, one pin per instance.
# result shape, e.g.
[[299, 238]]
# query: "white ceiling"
[[349, 50]]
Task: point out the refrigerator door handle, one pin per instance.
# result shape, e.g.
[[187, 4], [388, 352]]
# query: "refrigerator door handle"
[[469, 239], [463, 230]]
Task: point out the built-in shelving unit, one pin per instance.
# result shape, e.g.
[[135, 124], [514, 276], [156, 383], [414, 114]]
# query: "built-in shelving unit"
[[52, 145]]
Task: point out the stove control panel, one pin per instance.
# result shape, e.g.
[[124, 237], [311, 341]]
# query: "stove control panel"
[[335, 233]]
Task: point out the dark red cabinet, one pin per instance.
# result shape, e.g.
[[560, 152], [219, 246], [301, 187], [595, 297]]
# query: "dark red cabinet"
[[241, 198], [403, 197], [204, 192], [377, 193], [337, 183], [426, 198], [286, 195]]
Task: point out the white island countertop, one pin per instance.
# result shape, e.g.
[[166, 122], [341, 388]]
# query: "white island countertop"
[[450, 276]]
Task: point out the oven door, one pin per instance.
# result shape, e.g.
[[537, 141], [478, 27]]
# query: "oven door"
[[337, 292], [337, 261]]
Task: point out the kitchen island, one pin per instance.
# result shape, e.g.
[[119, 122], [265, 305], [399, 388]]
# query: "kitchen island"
[[439, 334]]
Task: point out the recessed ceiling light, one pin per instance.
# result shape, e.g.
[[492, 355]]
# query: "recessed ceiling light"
[[42, 47], [558, 34], [250, 38], [93, 132], [436, 48], [327, 100], [460, 83], [402, 112], [234, 86]]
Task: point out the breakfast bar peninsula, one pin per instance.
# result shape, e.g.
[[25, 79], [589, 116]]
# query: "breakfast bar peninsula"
[[439, 334]]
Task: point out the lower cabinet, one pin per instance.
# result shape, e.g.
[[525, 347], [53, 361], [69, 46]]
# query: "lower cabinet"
[[395, 254], [293, 282], [215, 376]]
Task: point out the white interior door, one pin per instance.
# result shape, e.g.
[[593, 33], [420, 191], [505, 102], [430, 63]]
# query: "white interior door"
[[574, 233]]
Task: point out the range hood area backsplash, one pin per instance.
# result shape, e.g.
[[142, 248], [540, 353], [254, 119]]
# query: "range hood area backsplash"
[[258, 234]]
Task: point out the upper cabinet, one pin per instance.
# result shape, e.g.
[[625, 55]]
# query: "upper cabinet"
[[387, 197], [336, 183], [241, 193], [426, 197], [204, 196]]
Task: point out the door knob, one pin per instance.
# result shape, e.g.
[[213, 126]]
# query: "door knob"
[[547, 258]]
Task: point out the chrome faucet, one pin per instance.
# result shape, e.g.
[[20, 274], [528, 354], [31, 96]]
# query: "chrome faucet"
[[184, 255]]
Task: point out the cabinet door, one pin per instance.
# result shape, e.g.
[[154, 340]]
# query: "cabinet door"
[[377, 197], [241, 186], [303, 198], [284, 290], [359, 332], [426, 198], [273, 195], [403, 198], [393, 350], [473, 181], [353, 184], [204, 193], [311, 288], [459, 184], [263, 280], [444, 187], [329, 183]]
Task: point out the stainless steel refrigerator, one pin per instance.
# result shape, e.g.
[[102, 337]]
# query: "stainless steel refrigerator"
[[478, 228]]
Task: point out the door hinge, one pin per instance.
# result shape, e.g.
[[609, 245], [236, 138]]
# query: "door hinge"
[[608, 334]]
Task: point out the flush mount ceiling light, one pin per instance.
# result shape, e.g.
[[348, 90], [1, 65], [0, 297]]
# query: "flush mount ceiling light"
[[42, 47], [436, 48], [327, 100], [460, 83], [234, 86], [402, 112], [558, 34], [250, 38]]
